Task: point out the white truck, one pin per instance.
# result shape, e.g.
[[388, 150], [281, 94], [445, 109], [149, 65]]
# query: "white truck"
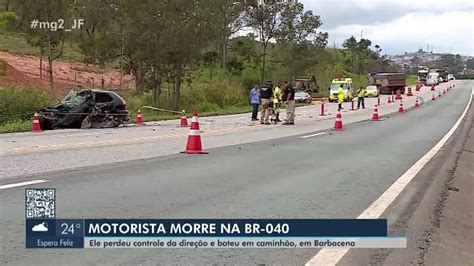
[[422, 76], [433, 79]]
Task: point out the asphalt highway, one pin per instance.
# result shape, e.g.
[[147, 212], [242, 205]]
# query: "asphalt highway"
[[329, 175]]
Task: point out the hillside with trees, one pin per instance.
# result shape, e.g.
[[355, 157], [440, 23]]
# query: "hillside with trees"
[[200, 54]]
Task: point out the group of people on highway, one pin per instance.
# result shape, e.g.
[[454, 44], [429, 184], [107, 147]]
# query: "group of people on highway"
[[360, 97], [270, 98]]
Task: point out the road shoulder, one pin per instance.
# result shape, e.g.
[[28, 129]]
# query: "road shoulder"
[[435, 211], [455, 244]]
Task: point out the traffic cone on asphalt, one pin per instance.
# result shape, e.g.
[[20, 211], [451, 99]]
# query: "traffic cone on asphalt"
[[433, 87], [393, 98], [444, 91], [409, 92], [139, 118], [352, 105], [400, 108], [433, 98], [439, 94], [417, 104], [194, 139], [184, 120], [338, 124], [398, 95], [389, 101], [375, 116], [36, 127]]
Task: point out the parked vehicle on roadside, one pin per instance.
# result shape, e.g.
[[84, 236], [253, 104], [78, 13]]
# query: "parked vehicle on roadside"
[[371, 91], [422, 76], [85, 108], [442, 74], [388, 83], [302, 97], [433, 78], [335, 84]]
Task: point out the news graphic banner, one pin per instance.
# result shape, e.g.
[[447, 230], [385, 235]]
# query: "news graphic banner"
[[210, 233], [44, 230]]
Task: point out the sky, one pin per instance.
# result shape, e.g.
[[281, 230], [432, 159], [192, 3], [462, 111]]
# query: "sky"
[[400, 26]]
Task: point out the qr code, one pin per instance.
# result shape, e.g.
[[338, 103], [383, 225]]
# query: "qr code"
[[41, 203]]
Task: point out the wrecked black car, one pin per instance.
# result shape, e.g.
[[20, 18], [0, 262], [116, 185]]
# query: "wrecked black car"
[[85, 108]]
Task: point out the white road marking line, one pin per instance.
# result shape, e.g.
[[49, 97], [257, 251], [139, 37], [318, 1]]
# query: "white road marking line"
[[23, 184], [313, 135], [332, 256]]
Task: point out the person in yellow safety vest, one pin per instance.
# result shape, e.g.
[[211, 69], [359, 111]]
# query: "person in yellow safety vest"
[[340, 97], [361, 97], [277, 102]]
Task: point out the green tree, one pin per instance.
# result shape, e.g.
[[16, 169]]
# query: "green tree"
[[351, 45], [265, 21], [188, 29], [470, 64], [209, 59], [299, 38], [230, 18], [6, 17], [49, 40]]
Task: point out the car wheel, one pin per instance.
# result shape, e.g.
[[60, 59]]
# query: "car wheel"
[[86, 123], [117, 121]]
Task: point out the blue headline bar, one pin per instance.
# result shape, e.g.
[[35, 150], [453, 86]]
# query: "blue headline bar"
[[70, 233], [235, 227]]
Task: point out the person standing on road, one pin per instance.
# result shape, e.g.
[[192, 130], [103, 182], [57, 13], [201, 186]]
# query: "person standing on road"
[[254, 101], [277, 101], [340, 97], [265, 95], [289, 98], [361, 97]]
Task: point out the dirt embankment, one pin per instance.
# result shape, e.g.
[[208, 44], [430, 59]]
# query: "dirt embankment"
[[25, 71]]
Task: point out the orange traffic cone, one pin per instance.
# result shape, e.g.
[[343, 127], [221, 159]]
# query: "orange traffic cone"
[[444, 91], [409, 92], [139, 118], [398, 96], [36, 127], [439, 95], [389, 101], [400, 108], [338, 124], [433, 98], [417, 104], [194, 139], [375, 116], [433, 87], [184, 120]]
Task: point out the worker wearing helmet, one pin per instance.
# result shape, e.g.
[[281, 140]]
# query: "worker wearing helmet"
[[340, 97]]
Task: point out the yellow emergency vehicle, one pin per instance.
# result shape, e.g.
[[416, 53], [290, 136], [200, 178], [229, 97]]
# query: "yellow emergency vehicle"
[[335, 84]]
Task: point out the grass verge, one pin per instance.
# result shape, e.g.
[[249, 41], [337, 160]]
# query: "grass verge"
[[17, 125]]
